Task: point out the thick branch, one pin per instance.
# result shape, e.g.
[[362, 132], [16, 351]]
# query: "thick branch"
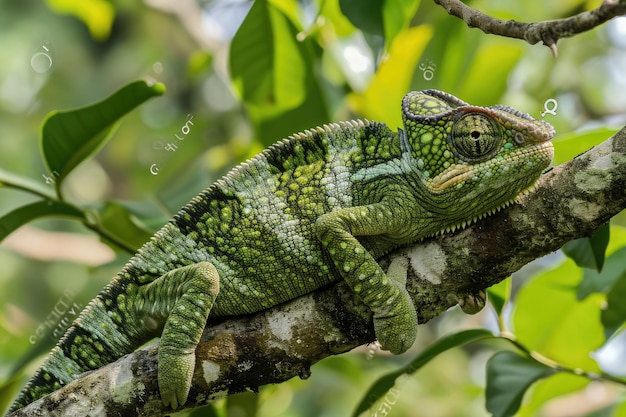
[[570, 202], [549, 32]]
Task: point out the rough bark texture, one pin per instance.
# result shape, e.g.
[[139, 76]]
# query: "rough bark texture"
[[570, 201]]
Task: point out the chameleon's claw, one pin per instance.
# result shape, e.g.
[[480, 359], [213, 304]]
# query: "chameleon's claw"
[[473, 303]]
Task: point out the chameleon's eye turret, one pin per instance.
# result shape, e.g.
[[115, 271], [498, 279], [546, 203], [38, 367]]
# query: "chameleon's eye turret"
[[475, 137]]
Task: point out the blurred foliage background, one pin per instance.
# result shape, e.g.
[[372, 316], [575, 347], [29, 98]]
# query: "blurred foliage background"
[[250, 73]]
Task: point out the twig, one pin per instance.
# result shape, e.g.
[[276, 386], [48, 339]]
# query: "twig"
[[549, 31]]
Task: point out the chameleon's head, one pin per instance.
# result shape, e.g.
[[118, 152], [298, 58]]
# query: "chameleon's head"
[[473, 159]]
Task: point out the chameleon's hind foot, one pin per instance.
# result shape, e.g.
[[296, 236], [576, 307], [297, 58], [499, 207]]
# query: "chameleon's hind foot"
[[182, 298], [473, 303]]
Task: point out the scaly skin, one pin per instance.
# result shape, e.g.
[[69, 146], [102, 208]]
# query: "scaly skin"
[[317, 207]]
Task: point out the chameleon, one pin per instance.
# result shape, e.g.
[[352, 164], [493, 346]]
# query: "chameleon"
[[317, 207]]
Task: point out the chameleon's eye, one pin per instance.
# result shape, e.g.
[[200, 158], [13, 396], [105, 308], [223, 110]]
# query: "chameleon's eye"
[[475, 137]]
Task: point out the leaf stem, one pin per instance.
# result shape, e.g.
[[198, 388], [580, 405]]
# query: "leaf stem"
[[544, 360], [97, 228], [57, 188], [89, 219], [29, 190]]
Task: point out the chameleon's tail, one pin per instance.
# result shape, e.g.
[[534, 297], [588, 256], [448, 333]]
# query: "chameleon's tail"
[[95, 339], [148, 298]]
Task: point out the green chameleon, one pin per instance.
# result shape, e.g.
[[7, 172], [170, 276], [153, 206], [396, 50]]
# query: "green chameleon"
[[317, 207]]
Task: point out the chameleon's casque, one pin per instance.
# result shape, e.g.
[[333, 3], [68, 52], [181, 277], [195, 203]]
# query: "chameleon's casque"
[[317, 207]]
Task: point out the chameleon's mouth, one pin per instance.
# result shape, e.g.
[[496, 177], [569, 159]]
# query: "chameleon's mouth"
[[451, 177], [539, 154], [465, 223]]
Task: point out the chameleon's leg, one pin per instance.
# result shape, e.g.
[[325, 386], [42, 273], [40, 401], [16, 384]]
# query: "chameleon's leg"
[[395, 319], [183, 298]]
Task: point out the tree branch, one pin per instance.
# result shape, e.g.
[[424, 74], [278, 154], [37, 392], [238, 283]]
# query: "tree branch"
[[570, 201], [549, 32]]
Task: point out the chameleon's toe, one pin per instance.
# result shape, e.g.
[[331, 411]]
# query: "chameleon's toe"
[[175, 373], [396, 334], [473, 303], [396, 331]]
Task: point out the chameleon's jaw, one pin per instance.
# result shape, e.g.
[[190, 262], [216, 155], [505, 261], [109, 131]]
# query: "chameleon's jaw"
[[463, 224], [472, 192]]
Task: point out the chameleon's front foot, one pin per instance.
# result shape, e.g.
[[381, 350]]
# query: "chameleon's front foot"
[[396, 333], [395, 319], [396, 330], [175, 373]]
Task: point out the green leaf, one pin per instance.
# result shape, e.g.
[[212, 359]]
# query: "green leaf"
[[117, 220], [70, 137], [602, 282], [496, 57], [274, 74], [589, 252], [331, 10], [148, 216], [397, 16], [499, 294], [22, 215], [559, 384], [270, 127], [449, 54], [614, 315], [98, 15], [385, 383], [266, 60], [380, 21], [618, 238], [570, 145], [10, 179], [550, 319], [393, 79], [508, 377], [367, 15]]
